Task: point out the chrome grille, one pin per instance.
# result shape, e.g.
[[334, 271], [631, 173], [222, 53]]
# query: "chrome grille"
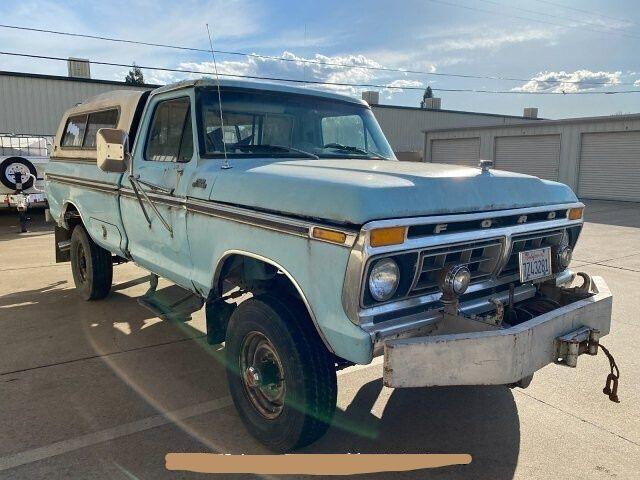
[[529, 241], [481, 258]]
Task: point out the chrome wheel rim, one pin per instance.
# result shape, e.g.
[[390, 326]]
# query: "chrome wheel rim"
[[262, 375]]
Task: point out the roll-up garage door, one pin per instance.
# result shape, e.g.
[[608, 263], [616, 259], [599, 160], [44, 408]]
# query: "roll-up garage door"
[[537, 155], [610, 166], [458, 151]]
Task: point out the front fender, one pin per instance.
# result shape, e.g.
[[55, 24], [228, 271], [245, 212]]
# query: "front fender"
[[316, 269]]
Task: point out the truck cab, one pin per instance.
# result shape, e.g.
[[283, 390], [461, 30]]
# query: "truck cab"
[[285, 212]]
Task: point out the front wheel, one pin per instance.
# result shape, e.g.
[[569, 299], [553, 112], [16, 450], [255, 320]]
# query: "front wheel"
[[91, 265], [281, 377]]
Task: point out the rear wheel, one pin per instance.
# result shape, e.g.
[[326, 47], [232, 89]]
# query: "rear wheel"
[[91, 266], [281, 377]]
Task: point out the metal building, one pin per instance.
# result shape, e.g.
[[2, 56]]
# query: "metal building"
[[404, 126], [599, 157], [33, 104]]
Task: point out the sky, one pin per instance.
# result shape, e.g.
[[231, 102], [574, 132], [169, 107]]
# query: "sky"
[[544, 46]]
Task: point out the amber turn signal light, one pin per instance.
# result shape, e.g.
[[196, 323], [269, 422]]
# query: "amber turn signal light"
[[327, 235], [575, 213], [381, 237]]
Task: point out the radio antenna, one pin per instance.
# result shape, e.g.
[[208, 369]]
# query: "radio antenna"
[[225, 165]]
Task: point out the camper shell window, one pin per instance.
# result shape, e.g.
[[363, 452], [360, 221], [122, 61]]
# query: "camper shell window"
[[80, 131]]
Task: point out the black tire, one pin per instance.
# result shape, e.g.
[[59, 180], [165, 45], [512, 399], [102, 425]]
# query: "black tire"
[[7, 179], [91, 265], [308, 370]]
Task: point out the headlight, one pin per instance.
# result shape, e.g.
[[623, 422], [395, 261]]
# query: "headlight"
[[384, 279]]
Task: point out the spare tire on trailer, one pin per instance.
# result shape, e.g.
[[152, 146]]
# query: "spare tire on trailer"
[[17, 164]]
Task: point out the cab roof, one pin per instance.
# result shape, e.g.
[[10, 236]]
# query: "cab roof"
[[256, 85]]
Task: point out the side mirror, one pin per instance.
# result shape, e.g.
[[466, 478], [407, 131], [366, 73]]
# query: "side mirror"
[[112, 146]]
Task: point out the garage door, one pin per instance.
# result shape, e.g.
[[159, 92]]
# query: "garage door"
[[458, 151], [537, 155], [610, 166]]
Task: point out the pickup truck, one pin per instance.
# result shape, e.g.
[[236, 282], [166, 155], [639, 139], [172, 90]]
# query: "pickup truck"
[[285, 213]]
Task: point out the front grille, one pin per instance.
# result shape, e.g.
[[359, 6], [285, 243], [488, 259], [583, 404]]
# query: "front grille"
[[481, 258], [529, 241]]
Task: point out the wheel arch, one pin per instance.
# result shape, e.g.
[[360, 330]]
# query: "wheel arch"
[[69, 207], [216, 290]]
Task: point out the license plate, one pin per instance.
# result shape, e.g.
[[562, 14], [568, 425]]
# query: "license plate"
[[535, 264]]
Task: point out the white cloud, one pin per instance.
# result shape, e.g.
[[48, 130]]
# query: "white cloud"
[[492, 40], [636, 83], [577, 81], [399, 85], [325, 69]]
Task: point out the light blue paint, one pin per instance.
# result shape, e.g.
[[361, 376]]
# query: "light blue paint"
[[346, 191]]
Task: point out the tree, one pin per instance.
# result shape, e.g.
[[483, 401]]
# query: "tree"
[[135, 76], [428, 93]]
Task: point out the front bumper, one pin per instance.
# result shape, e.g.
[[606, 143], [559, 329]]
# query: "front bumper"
[[497, 356]]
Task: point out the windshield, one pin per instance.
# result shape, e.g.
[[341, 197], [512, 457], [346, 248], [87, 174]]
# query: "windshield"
[[266, 123]]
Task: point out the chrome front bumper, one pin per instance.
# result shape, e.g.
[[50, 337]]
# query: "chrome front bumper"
[[497, 356]]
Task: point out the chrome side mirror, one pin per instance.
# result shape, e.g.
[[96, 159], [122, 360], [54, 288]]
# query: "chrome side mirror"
[[112, 147]]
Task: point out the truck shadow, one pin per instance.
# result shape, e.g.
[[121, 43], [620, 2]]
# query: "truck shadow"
[[481, 421]]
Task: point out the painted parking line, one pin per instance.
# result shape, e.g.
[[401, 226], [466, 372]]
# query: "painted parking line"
[[66, 446], [82, 441]]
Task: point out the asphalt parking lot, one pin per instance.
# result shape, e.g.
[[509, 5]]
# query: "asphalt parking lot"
[[105, 390]]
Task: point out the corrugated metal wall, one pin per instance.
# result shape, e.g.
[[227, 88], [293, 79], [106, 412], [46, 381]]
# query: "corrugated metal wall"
[[34, 105], [576, 158], [457, 151], [537, 155], [404, 127], [610, 166]]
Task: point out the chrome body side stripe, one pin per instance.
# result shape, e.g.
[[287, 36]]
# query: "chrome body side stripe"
[[250, 217], [81, 182], [247, 216]]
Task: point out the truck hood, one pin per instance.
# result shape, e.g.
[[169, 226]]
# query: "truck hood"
[[358, 191]]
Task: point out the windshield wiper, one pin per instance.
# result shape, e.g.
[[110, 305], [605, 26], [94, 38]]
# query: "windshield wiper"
[[271, 148], [350, 148]]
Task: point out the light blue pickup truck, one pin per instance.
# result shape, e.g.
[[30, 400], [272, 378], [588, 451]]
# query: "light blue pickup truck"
[[285, 213]]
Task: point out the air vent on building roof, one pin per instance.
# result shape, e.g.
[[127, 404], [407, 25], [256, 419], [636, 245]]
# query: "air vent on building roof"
[[371, 97], [79, 67], [531, 112], [432, 103]]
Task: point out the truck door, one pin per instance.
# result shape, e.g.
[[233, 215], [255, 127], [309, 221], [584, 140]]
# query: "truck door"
[[153, 196]]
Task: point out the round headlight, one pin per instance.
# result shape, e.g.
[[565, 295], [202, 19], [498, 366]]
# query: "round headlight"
[[384, 279], [454, 280], [563, 257]]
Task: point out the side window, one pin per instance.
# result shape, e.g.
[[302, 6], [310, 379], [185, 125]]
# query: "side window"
[[98, 120], [346, 130], [170, 136], [74, 133]]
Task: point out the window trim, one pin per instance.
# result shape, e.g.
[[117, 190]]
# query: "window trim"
[[150, 124], [86, 123]]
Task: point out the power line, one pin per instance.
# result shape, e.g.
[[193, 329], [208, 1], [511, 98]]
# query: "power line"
[[544, 14], [316, 62], [318, 82], [594, 14], [502, 14]]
